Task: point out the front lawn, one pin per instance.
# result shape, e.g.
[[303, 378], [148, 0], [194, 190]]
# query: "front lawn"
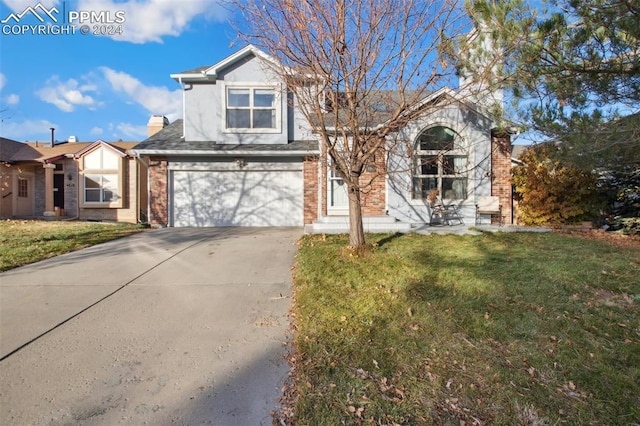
[[505, 329], [27, 241]]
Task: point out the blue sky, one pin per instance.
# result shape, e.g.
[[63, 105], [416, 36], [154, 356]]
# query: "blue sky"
[[101, 87]]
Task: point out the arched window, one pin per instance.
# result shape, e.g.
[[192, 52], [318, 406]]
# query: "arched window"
[[440, 163]]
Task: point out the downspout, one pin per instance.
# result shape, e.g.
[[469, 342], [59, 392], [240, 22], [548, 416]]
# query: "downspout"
[[184, 107], [320, 178]]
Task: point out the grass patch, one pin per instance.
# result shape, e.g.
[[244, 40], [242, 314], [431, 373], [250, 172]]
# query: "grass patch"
[[27, 241], [443, 329]]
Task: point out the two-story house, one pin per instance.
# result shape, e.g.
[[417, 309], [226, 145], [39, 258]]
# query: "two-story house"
[[243, 155]]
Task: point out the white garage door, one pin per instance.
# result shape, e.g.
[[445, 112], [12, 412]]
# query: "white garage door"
[[236, 198]]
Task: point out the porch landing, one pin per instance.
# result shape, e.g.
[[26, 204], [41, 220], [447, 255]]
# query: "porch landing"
[[388, 224]]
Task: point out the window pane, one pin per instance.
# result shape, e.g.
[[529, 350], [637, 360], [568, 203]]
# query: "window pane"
[[264, 119], [92, 195], [238, 119], [108, 196], [454, 188], [238, 97], [428, 165], [23, 188], [437, 139], [422, 186], [264, 98], [93, 160], [447, 166], [110, 181], [92, 181], [109, 160]]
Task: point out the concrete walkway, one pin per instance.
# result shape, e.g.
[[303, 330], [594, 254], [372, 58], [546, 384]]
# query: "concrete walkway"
[[172, 326]]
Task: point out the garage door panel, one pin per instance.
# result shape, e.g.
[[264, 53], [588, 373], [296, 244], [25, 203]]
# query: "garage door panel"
[[232, 198]]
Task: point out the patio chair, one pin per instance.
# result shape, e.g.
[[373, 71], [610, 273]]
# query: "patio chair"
[[444, 214]]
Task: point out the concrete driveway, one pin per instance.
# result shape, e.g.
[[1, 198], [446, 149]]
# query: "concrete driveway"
[[171, 326]]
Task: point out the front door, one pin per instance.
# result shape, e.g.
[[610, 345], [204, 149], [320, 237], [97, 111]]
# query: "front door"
[[58, 190], [337, 199], [24, 198]]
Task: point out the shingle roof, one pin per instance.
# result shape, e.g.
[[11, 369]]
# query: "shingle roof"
[[41, 151], [197, 70], [170, 141]]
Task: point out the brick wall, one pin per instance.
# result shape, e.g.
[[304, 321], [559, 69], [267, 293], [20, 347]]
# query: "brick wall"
[[310, 183], [158, 197], [501, 173], [373, 195]]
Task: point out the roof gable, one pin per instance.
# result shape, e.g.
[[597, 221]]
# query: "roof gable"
[[203, 74], [100, 143]]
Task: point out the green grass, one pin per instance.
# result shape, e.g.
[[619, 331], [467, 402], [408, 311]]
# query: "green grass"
[[27, 241], [504, 329]]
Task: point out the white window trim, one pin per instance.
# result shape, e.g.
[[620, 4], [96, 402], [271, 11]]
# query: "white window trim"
[[252, 86], [460, 152]]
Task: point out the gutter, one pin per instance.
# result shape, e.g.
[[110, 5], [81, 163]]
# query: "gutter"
[[221, 153]]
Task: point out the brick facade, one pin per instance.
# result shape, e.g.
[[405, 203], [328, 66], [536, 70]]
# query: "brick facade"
[[501, 174], [158, 192], [310, 183], [373, 195]]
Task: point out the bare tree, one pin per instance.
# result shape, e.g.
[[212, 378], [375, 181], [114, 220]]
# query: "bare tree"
[[359, 71]]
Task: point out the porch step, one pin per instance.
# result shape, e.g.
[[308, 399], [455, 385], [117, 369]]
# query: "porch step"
[[340, 225]]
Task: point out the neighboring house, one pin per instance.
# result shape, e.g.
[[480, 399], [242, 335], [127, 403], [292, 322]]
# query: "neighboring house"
[[82, 180], [245, 156]]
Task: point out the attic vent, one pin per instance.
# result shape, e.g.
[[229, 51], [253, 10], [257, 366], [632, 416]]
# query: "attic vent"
[[73, 139]]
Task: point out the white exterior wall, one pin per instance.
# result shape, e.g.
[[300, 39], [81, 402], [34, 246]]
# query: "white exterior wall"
[[205, 106], [201, 105], [475, 131]]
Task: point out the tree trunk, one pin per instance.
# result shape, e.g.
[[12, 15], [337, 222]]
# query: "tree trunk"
[[356, 229]]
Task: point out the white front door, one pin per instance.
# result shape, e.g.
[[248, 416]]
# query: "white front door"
[[337, 199], [24, 196]]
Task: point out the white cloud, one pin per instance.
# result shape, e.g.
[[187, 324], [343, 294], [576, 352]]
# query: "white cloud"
[[21, 129], [12, 99], [155, 99], [133, 131], [67, 95], [150, 20], [96, 131], [3, 80]]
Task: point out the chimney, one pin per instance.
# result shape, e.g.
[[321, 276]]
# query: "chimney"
[[53, 129], [156, 123]]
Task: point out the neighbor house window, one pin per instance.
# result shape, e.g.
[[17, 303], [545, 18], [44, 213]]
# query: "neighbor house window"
[[100, 188], [440, 163], [251, 108], [101, 179]]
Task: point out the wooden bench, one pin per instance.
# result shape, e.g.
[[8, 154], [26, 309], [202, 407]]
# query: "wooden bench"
[[488, 205]]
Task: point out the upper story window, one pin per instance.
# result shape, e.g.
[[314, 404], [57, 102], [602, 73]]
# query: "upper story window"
[[251, 108], [102, 179], [440, 162]]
